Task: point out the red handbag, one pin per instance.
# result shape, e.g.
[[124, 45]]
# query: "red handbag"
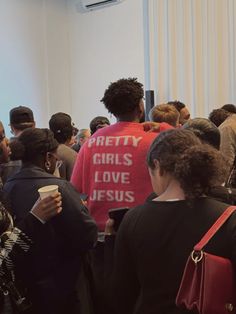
[[208, 284]]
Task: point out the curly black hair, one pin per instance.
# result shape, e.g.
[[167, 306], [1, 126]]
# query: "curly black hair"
[[198, 167], [31, 143], [218, 116], [123, 96]]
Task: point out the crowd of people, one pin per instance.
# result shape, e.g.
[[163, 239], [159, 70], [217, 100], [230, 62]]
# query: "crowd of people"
[[64, 252]]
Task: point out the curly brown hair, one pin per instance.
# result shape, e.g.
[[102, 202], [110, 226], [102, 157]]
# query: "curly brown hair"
[[198, 167], [123, 96]]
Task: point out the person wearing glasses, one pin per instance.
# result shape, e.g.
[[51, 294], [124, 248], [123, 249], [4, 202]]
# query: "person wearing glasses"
[[50, 272]]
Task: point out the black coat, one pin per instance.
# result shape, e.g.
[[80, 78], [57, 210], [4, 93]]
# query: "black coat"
[[152, 247], [53, 263]]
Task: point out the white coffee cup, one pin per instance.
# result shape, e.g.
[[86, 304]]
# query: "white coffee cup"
[[47, 190]]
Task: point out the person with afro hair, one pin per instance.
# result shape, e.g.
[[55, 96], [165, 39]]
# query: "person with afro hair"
[[113, 158]]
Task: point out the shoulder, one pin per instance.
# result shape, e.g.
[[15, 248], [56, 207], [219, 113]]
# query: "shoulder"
[[133, 215], [63, 151], [230, 122]]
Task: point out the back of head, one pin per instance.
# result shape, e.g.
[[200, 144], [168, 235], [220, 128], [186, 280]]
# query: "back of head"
[[165, 113], [98, 123], [230, 108], [177, 104], [21, 117], [206, 130], [61, 125], [123, 96], [218, 116], [32, 144], [82, 134], [183, 110], [198, 167]]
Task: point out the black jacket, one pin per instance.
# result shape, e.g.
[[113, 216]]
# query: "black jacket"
[[152, 247], [53, 264]]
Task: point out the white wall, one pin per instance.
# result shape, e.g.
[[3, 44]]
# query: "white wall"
[[53, 58], [106, 45], [33, 57]]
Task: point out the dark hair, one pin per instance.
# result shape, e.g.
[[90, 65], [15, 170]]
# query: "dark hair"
[[206, 130], [32, 143], [98, 123], [123, 96], [230, 108], [61, 125], [21, 115], [177, 104], [198, 167], [218, 116]]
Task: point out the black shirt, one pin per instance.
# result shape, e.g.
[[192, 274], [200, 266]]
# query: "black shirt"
[[152, 247]]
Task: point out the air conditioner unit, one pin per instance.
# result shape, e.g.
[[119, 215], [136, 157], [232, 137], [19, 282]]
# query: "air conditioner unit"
[[90, 5]]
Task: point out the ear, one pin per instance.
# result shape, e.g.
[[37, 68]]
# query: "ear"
[[158, 167], [141, 106], [156, 163], [48, 156]]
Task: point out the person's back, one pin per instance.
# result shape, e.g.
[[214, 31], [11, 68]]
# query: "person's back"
[[68, 156], [62, 127], [52, 268], [110, 167], [155, 239]]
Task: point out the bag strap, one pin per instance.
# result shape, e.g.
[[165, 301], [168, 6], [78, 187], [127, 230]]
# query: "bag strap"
[[214, 228]]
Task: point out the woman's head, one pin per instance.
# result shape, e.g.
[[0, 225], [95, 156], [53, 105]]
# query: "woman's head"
[[36, 146], [181, 155]]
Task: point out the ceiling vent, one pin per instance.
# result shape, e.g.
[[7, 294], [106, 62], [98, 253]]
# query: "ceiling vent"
[[90, 5]]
